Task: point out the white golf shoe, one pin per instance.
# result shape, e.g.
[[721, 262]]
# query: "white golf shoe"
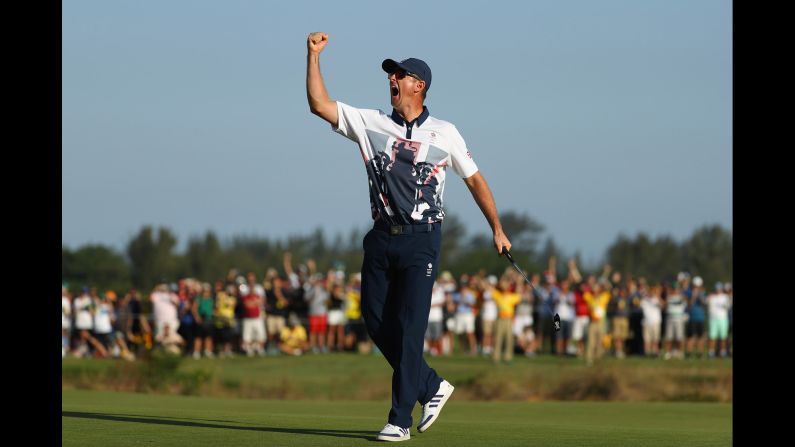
[[431, 410], [393, 433]]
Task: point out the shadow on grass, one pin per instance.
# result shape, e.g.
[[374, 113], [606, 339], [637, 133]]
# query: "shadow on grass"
[[367, 435]]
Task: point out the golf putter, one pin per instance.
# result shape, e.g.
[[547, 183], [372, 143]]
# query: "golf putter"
[[556, 318]]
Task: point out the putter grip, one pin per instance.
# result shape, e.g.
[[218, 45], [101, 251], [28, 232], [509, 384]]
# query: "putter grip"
[[507, 253]]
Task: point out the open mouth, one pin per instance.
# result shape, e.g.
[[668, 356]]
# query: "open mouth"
[[394, 90]]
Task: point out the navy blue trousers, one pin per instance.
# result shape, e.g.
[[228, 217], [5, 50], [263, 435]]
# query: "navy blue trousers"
[[398, 273]]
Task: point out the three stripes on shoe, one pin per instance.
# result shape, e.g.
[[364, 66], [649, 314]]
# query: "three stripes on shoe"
[[435, 401], [404, 432]]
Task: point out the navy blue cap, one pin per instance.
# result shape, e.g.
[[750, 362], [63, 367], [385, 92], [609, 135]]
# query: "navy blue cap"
[[411, 65]]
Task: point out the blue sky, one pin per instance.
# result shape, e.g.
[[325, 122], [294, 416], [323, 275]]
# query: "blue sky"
[[596, 118]]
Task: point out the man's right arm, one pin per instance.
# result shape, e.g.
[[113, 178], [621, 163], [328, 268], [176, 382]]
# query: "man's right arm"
[[483, 197], [319, 102]]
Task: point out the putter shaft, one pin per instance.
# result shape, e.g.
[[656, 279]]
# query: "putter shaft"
[[556, 318]]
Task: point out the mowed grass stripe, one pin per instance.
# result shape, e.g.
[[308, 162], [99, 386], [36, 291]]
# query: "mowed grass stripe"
[[92, 418]]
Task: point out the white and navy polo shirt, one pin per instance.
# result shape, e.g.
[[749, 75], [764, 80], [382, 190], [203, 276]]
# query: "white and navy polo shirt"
[[406, 162]]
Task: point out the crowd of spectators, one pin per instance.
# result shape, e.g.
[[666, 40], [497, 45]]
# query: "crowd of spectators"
[[306, 311]]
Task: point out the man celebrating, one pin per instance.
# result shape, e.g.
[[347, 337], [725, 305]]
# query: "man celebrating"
[[406, 155]]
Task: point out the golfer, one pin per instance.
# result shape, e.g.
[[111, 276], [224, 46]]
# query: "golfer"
[[406, 154]]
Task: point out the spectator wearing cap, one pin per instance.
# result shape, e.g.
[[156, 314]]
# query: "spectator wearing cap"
[[103, 322], [66, 320], [697, 319], [253, 323], [718, 308], [683, 283]]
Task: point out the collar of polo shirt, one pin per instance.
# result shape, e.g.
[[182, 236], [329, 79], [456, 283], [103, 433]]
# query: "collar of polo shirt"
[[400, 121]]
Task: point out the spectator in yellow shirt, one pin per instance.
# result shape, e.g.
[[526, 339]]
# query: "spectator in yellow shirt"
[[597, 308], [293, 336], [506, 299], [224, 317], [356, 333]]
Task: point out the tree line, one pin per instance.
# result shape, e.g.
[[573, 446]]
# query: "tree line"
[[151, 257]]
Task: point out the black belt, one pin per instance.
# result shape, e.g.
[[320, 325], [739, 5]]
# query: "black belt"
[[406, 229]]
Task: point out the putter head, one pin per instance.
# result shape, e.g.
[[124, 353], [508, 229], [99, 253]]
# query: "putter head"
[[556, 322]]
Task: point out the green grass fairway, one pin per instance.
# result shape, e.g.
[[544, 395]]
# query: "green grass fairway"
[[99, 418]]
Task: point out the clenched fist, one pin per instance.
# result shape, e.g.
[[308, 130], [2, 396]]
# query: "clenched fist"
[[316, 42]]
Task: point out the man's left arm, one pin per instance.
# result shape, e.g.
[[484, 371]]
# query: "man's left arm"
[[482, 193]]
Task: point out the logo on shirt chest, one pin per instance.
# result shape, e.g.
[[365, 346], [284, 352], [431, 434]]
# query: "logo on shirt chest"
[[404, 152]]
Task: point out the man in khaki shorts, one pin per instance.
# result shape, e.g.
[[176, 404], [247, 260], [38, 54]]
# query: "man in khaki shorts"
[[620, 322]]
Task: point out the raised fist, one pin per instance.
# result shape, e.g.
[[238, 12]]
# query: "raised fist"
[[316, 42]]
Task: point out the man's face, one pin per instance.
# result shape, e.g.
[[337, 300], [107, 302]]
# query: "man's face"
[[403, 87]]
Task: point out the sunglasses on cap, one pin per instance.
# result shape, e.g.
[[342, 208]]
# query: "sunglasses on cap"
[[400, 74]]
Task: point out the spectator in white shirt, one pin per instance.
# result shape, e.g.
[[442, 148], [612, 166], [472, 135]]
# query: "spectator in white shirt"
[[651, 304], [718, 311], [165, 308]]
